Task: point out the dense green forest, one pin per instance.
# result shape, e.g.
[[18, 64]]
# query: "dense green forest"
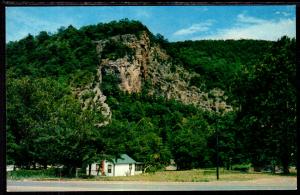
[[46, 124]]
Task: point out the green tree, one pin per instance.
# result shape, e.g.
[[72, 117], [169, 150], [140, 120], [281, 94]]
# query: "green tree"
[[46, 125], [269, 115], [189, 143]]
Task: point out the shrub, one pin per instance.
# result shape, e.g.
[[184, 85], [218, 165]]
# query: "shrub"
[[114, 50], [241, 167], [44, 173]]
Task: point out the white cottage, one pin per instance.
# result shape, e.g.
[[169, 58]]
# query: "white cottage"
[[123, 166]]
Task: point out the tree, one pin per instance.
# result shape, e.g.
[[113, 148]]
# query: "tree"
[[161, 40], [229, 142], [47, 125], [42, 37], [189, 145], [269, 115], [146, 146], [18, 119]]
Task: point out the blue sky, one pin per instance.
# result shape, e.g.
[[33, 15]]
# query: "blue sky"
[[176, 23]]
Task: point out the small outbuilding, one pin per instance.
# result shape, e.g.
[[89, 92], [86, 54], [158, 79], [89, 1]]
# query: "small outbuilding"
[[172, 166], [123, 166]]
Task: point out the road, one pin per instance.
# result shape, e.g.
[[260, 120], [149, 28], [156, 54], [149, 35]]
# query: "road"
[[22, 186]]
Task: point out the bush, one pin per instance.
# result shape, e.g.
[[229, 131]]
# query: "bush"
[[241, 167], [114, 50], [151, 170], [44, 173]]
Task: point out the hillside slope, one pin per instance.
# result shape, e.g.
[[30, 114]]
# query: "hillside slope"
[[143, 67], [107, 89]]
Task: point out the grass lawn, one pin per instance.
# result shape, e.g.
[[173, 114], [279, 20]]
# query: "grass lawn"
[[195, 175]]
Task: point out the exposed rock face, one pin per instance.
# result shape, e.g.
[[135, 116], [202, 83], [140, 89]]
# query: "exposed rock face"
[[131, 69], [93, 98], [152, 64]]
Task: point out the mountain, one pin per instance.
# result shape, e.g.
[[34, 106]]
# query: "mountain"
[[116, 88], [140, 64]]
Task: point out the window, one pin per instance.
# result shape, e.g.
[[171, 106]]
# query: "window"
[[109, 169], [130, 166], [138, 167]]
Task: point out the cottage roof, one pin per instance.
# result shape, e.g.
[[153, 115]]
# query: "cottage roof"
[[124, 159]]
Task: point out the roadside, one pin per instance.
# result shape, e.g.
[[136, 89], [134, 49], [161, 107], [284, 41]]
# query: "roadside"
[[278, 183], [195, 175]]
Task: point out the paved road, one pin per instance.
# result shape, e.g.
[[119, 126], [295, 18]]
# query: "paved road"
[[23, 186]]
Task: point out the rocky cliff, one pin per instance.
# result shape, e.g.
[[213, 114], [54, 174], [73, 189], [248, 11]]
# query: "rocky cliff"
[[147, 65], [153, 65]]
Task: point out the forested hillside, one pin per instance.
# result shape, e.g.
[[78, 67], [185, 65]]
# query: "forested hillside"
[[213, 58], [81, 95]]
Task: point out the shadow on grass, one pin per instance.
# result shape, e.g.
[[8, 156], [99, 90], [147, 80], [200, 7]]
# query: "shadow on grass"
[[283, 174], [290, 174]]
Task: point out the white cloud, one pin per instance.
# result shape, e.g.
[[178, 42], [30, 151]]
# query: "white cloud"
[[283, 13], [200, 27], [256, 28], [249, 20]]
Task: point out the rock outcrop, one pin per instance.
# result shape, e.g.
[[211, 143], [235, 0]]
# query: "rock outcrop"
[[153, 65], [130, 69], [146, 64], [92, 97]]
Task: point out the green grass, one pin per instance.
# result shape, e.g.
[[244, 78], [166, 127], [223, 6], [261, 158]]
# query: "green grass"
[[194, 175]]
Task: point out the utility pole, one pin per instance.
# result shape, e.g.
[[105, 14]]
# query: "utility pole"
[[217, 144], [217, 154]]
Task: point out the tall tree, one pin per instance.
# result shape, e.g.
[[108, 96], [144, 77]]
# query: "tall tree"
[[269, 113], [189, 143]]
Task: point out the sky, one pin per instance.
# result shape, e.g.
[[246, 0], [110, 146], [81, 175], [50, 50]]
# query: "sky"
[[176, 23]]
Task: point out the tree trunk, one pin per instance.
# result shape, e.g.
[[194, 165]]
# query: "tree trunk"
[[98, 171], [285, 150], [286, 170], [146, 168], [70, 171], [227, 166], [285, 167], [257, 168], [90, 169], [273, 169]]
